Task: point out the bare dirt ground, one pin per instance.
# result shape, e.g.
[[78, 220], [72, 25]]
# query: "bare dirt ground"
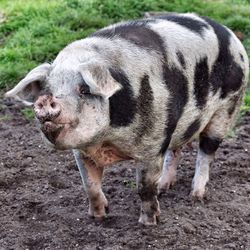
[[43, 205]]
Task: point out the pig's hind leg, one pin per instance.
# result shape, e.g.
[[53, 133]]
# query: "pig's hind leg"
[[168, 176], [92, 177], [209, 141]]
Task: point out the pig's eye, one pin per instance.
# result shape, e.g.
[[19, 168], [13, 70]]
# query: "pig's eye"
[[84, 90]]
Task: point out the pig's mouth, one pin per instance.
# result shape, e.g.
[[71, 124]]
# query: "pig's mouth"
[[55, 131], [52, 130]]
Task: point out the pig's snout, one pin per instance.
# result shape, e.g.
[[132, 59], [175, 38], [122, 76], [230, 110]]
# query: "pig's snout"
[[47, 108]]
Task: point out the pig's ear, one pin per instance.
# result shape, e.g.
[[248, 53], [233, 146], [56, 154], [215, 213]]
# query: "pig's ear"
[[28, 89], [99, 79]]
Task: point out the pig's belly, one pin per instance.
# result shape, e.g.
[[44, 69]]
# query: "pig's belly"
[[105, 154]]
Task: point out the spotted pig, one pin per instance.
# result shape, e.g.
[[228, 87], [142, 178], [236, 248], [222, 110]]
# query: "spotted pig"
[[141, 90]]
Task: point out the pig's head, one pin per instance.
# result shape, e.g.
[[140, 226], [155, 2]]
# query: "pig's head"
[[71, 103]]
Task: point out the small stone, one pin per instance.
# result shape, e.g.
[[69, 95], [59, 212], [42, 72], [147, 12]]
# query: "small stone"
[[229, 246], [189, 228], [29, 159]]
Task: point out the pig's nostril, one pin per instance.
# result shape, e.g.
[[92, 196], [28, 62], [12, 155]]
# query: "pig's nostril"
[[40, 106], [53, 105]]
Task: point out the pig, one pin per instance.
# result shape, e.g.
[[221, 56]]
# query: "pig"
[[141, 90]]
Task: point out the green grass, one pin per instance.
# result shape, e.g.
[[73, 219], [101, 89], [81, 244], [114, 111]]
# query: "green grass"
[[32, 32], [246, 105], [28, 113], [129, 184]]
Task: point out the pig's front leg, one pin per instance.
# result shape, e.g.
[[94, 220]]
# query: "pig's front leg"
[[147, 182], [92, 177], [168, 176]]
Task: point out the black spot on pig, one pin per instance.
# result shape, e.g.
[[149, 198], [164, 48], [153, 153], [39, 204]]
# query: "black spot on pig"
[[234, 103], [193, 25], [241, 57], [181, 59], [209, 145], [96, 48], [145, 109], [137, 33], [226, 75], [191, 130], [122, 103], [201, 82], [233, 80], [177, 84]]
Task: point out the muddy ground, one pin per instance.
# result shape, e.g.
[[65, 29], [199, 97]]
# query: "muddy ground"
[[43, 205]]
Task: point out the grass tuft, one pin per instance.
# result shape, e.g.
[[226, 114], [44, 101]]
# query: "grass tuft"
[[28, 113]]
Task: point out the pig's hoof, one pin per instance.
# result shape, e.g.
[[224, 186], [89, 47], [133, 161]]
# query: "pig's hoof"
[[150, 215], [149, 221], [198, 194], [98, 217], [163, 187], [99, 212]]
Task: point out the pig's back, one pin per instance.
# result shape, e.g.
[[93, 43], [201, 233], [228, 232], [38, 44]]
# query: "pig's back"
[[179, 68]]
